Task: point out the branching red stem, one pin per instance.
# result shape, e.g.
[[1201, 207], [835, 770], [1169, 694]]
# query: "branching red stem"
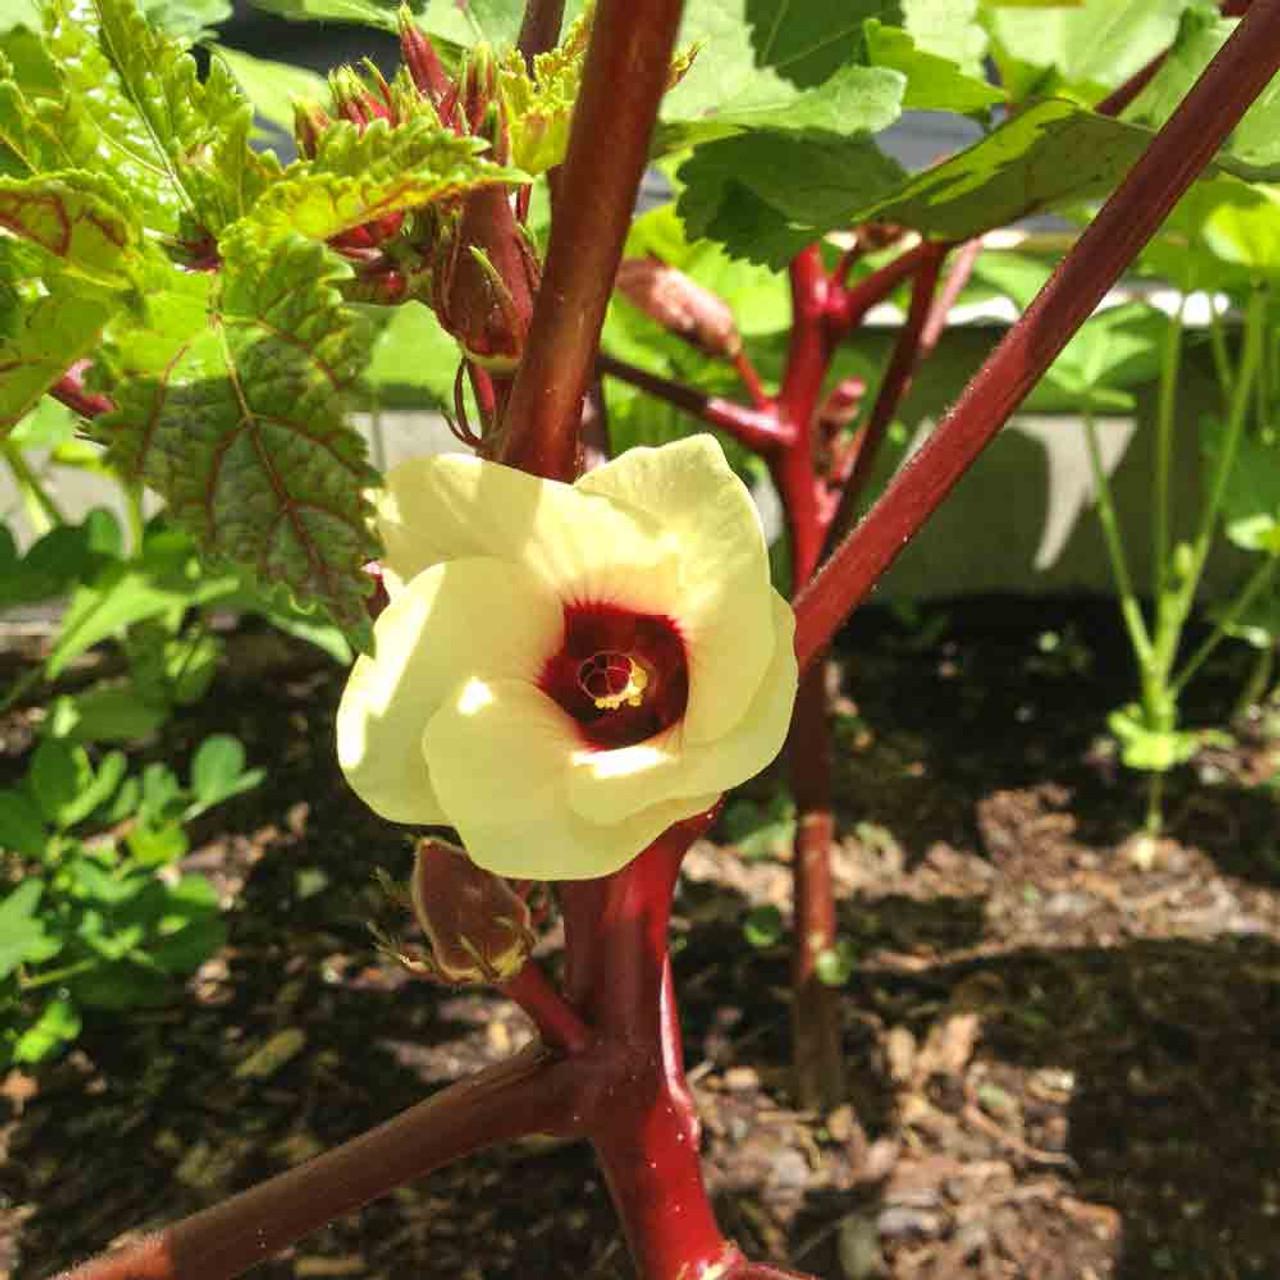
[[623, 82], [557, 1020], [1240, 71], [893, 386], [531, 1093], [758, 429]]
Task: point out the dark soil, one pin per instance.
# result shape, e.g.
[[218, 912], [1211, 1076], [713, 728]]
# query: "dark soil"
[[1063, 1045]]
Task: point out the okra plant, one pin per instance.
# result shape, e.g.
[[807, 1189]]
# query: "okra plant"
[[565, 664]]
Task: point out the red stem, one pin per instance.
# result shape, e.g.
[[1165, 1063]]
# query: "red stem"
[[70, 390], [531, 1093], [815, 1011], [961, 270], [758, 429], [557, 1020], [623, 82], [645, 1130], [751, 380], [850, 305], [894, 385], [1240, 71], [540, 28]]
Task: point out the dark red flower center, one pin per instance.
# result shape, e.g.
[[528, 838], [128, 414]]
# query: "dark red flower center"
[[622, 676]]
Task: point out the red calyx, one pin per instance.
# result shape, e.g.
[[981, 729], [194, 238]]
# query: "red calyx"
[[632, 663]]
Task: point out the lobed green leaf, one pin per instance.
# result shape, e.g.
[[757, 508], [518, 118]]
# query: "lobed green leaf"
[[231, 406], [358, 176]]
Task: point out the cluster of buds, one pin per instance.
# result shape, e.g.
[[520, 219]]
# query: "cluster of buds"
[[467, 257]]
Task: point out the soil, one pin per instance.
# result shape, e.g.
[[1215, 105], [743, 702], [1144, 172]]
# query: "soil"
[[1063, 1044]]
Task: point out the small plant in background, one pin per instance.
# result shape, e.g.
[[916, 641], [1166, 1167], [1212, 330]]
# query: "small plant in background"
[[99, 916]]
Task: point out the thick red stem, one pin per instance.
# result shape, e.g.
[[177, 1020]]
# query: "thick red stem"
[[623, 81], [540, 28], [1240, 71], [758, 429], [531, 1093], [817, 1052], [645, 1130]]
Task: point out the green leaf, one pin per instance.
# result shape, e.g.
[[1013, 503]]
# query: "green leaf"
[[933, 83], [1147, 749], [54, 331], [358, 176], [120, 985], [767, 206], [1256, 139], [238, 421], [198, 130], [15, 13], [1251, 500], [835, 966], [1113, 351], [413, 350], [22, 830], [157, 846], [95, 120], [367, 13], [76, 218], [790, 65], [65, 784], [949, 30], [1098, 43], [763, 926], [23, 936], [495, 22], [1246, 231], [851, 101], [58, 1025], [766, 196], [218, 772], [187, 19], [111, 711], [272, 87], [163, 583]]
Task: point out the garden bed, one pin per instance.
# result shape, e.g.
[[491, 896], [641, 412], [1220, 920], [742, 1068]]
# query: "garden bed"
[[1062, 1054]]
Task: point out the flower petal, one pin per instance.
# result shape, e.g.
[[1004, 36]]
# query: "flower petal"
[[499, 754], [451, 622], [607, 786], [724, 597], [583, 547]]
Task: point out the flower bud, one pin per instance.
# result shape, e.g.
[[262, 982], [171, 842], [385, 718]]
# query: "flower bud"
[[478, 87], [355, 101], [309, 121], [479, 928], [841, 406], [429, 76], [680, 305]]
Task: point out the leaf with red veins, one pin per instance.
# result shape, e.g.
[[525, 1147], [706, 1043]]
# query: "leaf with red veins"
[[51, 333], [73, 217], [360, 175], [232, 407]]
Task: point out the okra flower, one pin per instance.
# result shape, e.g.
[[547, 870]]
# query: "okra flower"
[[565, 670]]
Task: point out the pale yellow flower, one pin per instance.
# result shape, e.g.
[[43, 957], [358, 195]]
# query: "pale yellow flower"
[[565, 670]]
